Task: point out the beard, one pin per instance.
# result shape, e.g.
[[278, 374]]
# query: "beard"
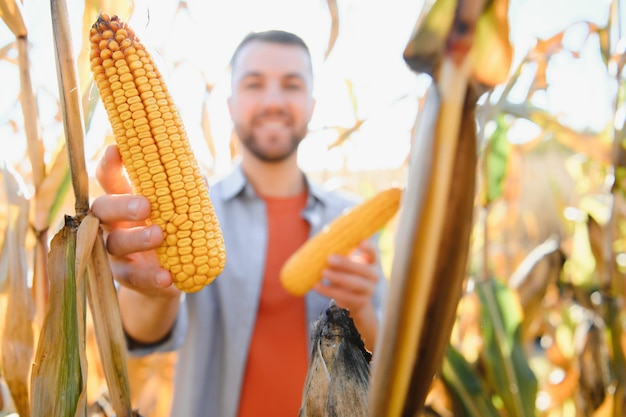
[[257, 148]]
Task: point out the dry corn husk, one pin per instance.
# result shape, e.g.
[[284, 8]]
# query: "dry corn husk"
[[337, 380]]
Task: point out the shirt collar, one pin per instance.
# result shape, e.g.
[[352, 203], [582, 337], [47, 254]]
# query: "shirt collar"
[[236, 183]]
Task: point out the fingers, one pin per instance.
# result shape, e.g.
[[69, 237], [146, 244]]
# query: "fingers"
[[134, 261], [351, 280], [110, 173], [366, 252], [123, 210], [143, 274], [129, 241], [121, 242]]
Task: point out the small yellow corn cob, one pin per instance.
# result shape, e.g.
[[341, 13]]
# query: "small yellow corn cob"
[[304, 268], [156, 153]]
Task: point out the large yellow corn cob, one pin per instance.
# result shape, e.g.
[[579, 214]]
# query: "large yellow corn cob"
[[156, 154], [304, 268]]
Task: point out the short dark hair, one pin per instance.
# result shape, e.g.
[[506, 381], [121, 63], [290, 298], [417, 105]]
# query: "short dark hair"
[[271, 36]]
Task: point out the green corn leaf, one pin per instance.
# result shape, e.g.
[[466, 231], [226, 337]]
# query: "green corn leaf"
[[507, 370], [466, 385], [495, 163], [58, 376]]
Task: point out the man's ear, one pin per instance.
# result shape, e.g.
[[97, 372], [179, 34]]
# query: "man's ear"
[[313, 103], [229, 100]]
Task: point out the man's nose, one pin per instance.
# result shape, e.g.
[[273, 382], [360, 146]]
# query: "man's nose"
[[274, 95]]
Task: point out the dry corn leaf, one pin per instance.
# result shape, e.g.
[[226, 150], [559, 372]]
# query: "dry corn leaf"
[[11, 13], [607, 407], [57, 381], [345, 133], [602, 249], [333, 10], [106, 318], [425, 50], [593, 363], [29, 111], [17, 335], [492, 53], [563, 389], [49, 198], [530, 280], [540, 54]]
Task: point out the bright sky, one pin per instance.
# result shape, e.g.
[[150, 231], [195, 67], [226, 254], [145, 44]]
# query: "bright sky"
[[193, 49], [370, 59]]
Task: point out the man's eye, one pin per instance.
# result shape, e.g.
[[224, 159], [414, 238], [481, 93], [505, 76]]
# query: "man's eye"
[[294, 86], [252, 86]]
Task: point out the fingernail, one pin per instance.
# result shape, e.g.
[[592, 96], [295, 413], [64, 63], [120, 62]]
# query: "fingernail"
[[163, 279], [147, 234], [133, 206]]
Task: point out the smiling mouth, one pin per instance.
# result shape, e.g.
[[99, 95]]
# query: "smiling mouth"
[[276, 123]]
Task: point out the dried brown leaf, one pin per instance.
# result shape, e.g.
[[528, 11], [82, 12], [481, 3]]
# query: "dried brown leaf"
[[333, 10], [593, 362], [17, 335], [530, 280], [11, 13], [30, 113], [492, 51], [107, 321], [345, 133]]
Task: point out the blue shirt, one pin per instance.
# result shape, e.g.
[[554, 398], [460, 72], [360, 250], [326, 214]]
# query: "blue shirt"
[[214, 326]]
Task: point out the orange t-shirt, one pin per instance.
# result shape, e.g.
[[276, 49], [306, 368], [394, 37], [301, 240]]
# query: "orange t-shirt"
[[278, 355]]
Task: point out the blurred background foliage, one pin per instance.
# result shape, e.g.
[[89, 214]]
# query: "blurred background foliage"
[[539, 328]]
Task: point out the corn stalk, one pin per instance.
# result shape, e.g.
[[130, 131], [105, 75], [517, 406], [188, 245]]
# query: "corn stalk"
[[429, 266], [80, 273]]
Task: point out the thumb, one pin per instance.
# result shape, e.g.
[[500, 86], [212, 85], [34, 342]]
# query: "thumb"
[[110, 172]]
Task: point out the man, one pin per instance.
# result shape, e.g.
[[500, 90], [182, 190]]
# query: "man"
[[243, 340]]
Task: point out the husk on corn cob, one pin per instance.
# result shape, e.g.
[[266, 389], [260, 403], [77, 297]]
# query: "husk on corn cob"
[[337, 380], [304, 268], [156, 153]]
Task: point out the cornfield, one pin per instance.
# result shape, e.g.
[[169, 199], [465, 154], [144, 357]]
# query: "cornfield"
[[506, 263]]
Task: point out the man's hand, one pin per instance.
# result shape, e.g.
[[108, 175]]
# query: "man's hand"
[[351, 282], [129, 241]]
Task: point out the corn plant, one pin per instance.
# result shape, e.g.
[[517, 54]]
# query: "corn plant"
[[467, 331]]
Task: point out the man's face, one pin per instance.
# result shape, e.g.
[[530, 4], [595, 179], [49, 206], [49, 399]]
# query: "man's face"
[[271, 102]]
